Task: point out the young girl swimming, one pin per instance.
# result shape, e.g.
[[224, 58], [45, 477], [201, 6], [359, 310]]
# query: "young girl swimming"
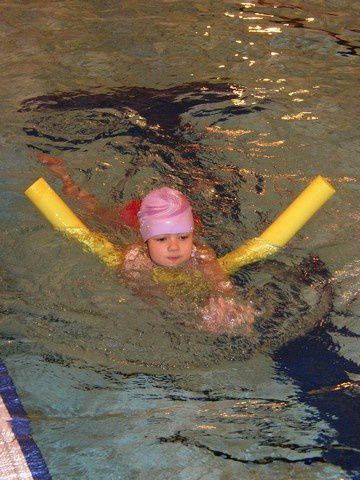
[[168, 257]]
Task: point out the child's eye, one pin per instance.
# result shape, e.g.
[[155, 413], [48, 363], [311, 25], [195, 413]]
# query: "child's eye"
[[161, 239], [184, 237]]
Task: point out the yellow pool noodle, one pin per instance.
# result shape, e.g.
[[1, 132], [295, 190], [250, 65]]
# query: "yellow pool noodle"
[[299, 212], [62, 218], [282, 229], [274, 237]]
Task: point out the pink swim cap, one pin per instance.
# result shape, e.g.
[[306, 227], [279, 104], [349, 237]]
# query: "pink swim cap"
[[164, 211]]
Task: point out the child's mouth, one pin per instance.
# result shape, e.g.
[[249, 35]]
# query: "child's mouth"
[[174, 259]]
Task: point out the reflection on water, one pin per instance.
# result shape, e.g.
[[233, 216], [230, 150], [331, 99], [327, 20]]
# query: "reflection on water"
[[239, 105]]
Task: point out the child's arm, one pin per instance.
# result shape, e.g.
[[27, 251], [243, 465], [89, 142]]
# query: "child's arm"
[[222, 313], [118, 216], [225, 315], [59, 169], [213, 272]]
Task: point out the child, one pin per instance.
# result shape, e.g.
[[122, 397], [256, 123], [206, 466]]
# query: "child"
[[168, 255]]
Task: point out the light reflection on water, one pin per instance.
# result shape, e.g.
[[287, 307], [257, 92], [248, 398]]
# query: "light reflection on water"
[[240, 105]]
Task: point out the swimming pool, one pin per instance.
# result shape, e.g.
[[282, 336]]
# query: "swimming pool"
[[239, 104]]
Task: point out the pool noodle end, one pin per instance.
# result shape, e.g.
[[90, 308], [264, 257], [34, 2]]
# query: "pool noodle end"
[[294, 217], [63, 219], [289, 222]]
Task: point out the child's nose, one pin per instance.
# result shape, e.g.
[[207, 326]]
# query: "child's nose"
[[174, 244]]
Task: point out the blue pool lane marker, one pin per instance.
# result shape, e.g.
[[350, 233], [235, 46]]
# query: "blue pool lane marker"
[[20, 457]]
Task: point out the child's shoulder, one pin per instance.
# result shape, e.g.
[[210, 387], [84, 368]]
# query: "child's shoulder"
[[135, 249], [136, 257], [204, 252]]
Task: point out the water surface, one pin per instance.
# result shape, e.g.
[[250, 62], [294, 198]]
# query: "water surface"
[[238, 104]]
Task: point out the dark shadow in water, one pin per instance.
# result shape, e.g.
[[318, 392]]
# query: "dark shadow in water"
[[159, 107], [321, 374], [163, 142]]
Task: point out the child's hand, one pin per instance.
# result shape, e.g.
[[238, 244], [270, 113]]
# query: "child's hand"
[[58, 167], [224, 315]]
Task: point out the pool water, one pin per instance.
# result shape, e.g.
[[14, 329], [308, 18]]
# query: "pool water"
[[239, 105]]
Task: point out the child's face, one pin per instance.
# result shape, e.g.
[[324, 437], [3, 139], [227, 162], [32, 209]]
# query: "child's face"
[[170, 250]]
